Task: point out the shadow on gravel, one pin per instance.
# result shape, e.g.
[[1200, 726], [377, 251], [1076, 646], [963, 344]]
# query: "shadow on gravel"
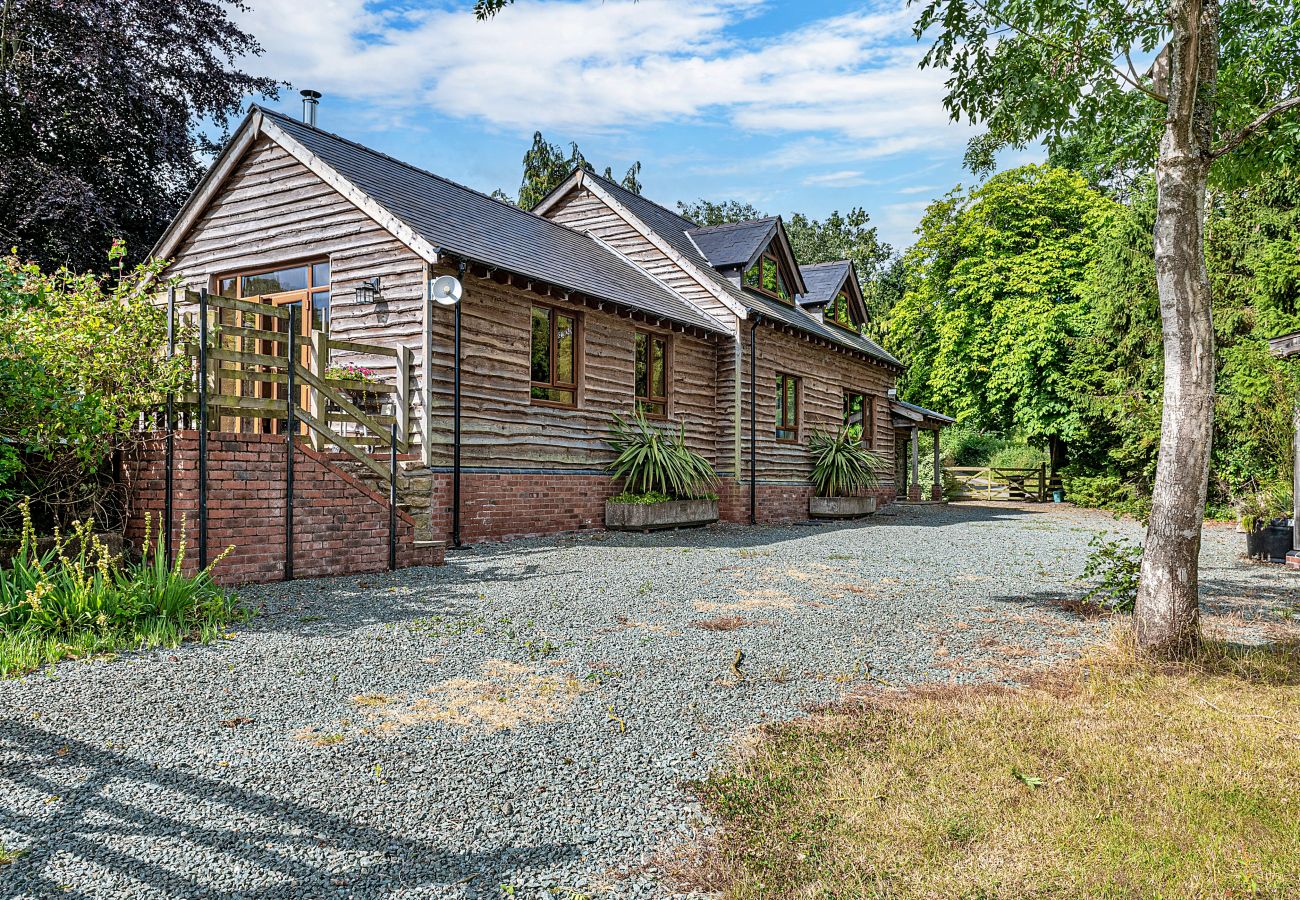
[[88, 817]]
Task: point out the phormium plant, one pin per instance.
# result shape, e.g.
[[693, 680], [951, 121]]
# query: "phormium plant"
[[654, 460], [841, 465]]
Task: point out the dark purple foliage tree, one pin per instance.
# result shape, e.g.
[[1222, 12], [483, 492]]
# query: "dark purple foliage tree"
[[102, 109]]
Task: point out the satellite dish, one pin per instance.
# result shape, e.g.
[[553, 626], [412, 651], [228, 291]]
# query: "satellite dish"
[[446, 290]]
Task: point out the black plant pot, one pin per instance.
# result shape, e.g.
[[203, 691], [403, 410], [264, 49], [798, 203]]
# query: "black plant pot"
[[1269, 542]]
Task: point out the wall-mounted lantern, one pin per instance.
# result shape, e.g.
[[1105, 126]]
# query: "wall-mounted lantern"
[[367, 291]]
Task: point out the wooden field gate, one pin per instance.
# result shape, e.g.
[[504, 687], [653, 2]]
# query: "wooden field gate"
[[994, 483]]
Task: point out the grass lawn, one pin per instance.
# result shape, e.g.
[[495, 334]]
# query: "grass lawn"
[[1110, 778]]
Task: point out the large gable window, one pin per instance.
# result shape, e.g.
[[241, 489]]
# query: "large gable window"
[[651, 375], [554, 357], [766, 277]]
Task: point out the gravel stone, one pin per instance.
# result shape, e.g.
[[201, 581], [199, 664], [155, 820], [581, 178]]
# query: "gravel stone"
[[521, 722]]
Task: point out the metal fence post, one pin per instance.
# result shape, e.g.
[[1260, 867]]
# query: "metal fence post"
[[170, 425], [203, 428], [392, 497], [291, 425]]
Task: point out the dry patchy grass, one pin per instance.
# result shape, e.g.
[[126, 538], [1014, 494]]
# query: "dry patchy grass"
[[722, 623], [1108, 779], [507, 696]]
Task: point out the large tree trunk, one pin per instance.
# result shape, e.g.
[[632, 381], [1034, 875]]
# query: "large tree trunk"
[[1167, 616]]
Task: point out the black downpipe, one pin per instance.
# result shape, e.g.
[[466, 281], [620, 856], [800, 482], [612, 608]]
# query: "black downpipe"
[[170, 424], [291, 425], [203, 428], [753, 421], [455, 418], [392, 496]]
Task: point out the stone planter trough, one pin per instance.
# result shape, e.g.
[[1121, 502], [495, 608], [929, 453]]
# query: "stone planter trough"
[[840, 507], [654, 516]]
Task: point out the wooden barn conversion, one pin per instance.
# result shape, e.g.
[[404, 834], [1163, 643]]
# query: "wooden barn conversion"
[[598, 302]]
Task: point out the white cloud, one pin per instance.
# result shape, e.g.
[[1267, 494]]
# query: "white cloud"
[[586, 66], [845, 178], [919, 189]]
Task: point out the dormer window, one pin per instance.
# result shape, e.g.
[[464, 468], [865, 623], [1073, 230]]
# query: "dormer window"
[[766, 277], [840, 312]]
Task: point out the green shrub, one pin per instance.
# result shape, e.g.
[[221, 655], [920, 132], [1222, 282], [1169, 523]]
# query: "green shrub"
[[1018, 456], [962, 445], [841, 465], [650, 460], [1105, 492], [1114, 566], [78, 599], [81, 358]]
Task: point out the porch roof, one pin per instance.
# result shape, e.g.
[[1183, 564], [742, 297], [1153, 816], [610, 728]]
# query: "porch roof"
[[918, 416]]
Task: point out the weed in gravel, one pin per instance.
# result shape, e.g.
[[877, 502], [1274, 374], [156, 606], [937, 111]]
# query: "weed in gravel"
[[8, 856], [319, 738]]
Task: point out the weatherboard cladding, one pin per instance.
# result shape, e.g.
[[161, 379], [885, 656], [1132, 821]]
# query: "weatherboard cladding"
[[823, 281], [675, 230], [735, 243], [464, 222]]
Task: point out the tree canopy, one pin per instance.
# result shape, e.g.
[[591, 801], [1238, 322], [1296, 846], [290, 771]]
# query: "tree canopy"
[[992, 300], [104, 113], [546, 165]]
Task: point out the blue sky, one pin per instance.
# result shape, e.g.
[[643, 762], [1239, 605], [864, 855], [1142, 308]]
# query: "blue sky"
[[790, 106]]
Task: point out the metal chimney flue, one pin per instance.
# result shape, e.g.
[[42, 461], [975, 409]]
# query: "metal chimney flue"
[[310, 100]]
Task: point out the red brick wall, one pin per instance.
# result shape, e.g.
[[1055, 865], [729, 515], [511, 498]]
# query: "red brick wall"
[[503, 506], [340, 525], [777, 502]]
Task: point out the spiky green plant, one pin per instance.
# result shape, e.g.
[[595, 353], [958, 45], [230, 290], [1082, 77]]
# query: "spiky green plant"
[[78, 599], [650, 459], [841, 465]]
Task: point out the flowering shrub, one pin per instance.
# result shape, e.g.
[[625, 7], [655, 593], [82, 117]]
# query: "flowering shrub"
[[82, 356], [353, 372]]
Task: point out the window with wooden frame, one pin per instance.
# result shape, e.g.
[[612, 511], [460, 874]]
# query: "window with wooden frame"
[[284, 286], [766, 277], [554, 357], [652, 375], [840, 312], [300, 286], [860, 418], [787, 407]]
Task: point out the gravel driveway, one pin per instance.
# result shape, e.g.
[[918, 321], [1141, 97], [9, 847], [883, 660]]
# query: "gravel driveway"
[[519, 722]]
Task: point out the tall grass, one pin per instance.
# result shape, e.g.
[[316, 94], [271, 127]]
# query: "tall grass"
[[78, 599]]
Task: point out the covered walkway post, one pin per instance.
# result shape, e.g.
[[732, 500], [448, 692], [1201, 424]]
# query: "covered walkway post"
[[913, 418], [1288, 346]]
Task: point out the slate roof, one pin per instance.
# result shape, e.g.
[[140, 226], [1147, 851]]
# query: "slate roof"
[[823, 281], [464, 222], [928, 413], [675, 231], [734, 243]]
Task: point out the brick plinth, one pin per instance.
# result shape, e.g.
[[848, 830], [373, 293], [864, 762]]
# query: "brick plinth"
[[340, 525], [914, 492], [936, 492], [777, 502], [1293, 560]]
